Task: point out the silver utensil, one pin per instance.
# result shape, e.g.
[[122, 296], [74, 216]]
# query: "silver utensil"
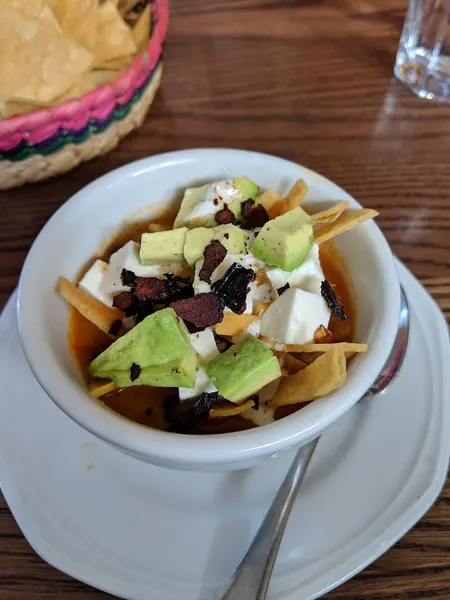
[[250, 579]]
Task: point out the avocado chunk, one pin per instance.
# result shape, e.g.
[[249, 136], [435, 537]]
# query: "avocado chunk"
[[248, 191], [156, 352], [199, 205], [284, 242], [243, 369], [163, 247], [233, 238]]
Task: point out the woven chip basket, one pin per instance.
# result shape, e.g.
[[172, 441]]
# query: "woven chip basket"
[[50, 141]]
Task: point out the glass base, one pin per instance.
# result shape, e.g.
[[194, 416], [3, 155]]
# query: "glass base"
[[413, 69]]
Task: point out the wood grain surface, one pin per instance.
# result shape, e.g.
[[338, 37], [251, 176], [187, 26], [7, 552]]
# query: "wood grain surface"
[[311, 81]]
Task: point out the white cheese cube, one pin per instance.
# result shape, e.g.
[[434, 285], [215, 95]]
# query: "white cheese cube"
[[92, 281], [308, 276], [202, 384], [294, 317], [127, 257], [204, 344]]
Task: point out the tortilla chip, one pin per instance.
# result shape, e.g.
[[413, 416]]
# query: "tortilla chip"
[[323, 376], [330, 214], [230, 411], [141, 31], [29, 8], [101, 76], [118, 64], [295, 195], [92, 309], [114, 38], [99, 388], [347, 222], [347, 347], [39, 63], [11, 107]]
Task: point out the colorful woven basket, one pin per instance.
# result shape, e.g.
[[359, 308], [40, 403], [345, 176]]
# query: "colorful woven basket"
[[50, 141]]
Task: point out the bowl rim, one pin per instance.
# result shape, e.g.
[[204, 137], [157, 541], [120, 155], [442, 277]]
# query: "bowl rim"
[[177, 449]]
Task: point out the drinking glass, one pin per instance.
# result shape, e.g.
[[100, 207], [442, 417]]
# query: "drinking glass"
[[423, 57]]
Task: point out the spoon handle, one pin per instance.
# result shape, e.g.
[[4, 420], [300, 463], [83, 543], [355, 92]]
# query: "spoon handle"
[[250, 579]]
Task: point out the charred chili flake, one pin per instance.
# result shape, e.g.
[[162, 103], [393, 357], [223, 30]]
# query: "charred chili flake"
[[128, 278], [205, 403], [282, 289], [254, 215], [213, 255], [202, 310], [144, 309], [149, 411], [179, 288], [226, 236], [232, 287], [151, 289], [115, 327], [247, 208], [333, 301], [135, 371], [127, 302], [225, 216], [190, 419]]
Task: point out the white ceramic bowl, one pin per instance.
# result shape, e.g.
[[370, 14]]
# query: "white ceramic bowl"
[[143, 189]]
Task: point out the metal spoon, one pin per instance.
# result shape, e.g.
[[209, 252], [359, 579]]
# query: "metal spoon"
[[250, 579]]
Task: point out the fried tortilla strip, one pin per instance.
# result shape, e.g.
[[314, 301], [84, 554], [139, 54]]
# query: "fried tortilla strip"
[[156, 227], [94, 311], [292, 364], [221, 412], [233, 324], [330, 214], [269, 198], [348, 348], [260, 308], [323, 376], [295, 195], [347, 222], [99, 388]]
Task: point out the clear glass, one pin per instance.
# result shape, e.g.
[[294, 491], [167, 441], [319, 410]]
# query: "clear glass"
[[423, 57]]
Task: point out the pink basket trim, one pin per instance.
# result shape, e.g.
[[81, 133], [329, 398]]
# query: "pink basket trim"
[[99, 103]]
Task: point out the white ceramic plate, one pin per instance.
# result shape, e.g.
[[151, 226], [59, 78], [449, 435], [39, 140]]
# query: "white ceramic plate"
[[139, 531]]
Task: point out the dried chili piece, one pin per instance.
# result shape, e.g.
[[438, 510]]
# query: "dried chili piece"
[[225, 216], [135, 371], [333, 301], [232, 288], [202, 310], [213, 255]]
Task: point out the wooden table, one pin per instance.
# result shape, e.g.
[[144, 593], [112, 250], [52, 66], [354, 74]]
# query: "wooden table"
[[309, 81]]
